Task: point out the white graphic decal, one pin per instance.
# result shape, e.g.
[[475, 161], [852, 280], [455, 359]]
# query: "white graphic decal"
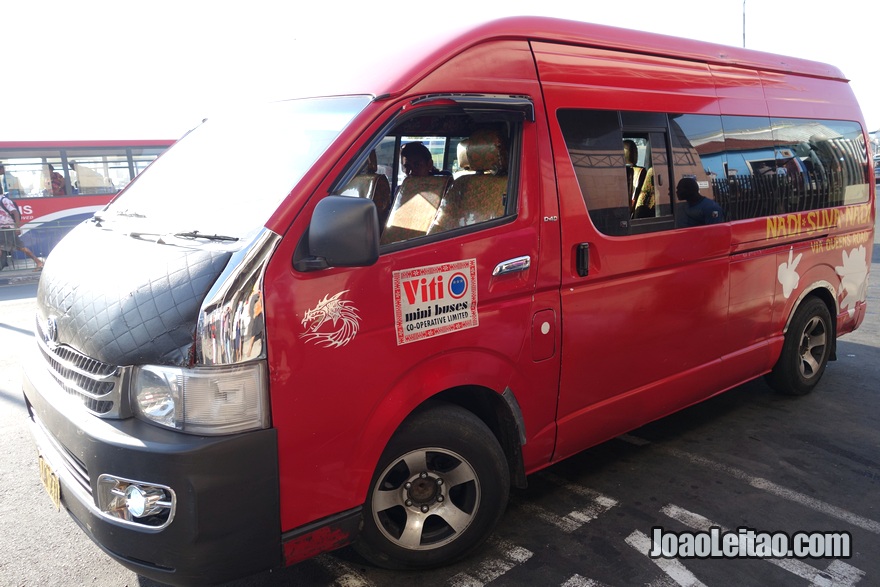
[[788, 275], [331, 310], [853, 278], [435, 300]]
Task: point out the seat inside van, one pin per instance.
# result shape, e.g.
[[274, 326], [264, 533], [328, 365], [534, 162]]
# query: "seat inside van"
[[414, 207], [480, 195], [371, 185]]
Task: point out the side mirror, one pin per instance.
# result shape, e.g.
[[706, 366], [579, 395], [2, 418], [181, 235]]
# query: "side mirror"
[[344, 232]]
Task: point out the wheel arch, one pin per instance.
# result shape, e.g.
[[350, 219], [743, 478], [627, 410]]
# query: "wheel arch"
[[470, 380], [498, 411], [824, 291], [501, 414]]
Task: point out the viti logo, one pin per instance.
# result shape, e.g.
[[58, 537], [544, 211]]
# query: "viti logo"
[[458, 285], [436, 288]]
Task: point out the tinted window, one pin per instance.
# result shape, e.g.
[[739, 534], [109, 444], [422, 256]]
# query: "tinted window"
[[751, 166], [761, 167], [595, 144]]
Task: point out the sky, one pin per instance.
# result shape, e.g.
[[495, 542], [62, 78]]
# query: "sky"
[[101, 69]]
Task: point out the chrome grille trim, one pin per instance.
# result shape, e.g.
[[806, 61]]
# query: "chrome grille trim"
[[98, 386]]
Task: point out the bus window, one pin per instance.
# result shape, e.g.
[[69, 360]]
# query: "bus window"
[[761, 167], [141, 157], [99, 173], [751, 166], [819, 164], [31, 176], [595, 145]]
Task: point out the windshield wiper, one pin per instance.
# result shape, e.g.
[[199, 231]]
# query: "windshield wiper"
[[147, 236], [211, 237]]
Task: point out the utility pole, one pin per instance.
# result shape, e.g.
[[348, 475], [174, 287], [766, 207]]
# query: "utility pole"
[[744, 24]]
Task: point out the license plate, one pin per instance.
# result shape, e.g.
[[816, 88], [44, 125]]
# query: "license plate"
[[50, 482]]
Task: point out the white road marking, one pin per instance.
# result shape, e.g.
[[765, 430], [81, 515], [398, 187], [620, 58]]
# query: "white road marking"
[[838, 573], [573, 520], [490, 569], [765, 485], [578, 581], [672, 567]]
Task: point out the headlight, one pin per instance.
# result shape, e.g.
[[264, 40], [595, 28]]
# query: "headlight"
[[203, 400]]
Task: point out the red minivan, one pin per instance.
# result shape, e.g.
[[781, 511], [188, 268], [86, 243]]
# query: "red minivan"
[[395, 303]]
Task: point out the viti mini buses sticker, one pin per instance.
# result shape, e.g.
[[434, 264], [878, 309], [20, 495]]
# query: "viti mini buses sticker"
[[435, 300]]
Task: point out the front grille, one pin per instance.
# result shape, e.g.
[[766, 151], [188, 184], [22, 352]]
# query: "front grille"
[[98, 386]]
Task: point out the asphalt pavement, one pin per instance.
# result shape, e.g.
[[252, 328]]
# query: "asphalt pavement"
[[19, 272]]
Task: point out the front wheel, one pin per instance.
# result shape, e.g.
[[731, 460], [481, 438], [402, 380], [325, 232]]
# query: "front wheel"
[[805, 351], [438, 491]]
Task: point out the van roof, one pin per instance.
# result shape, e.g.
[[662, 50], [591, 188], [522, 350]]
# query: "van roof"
[[608, 37], [412, 59]]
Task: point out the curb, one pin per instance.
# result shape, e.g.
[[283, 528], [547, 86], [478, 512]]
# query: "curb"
[[20, 277]]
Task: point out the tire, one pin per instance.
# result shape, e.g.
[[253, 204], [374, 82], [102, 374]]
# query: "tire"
[[438, 492], [806, 350]]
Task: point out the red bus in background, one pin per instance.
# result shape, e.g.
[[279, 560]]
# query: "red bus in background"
[[58, 184]]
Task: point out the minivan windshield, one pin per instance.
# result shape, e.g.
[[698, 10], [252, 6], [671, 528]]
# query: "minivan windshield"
[[226, 177]]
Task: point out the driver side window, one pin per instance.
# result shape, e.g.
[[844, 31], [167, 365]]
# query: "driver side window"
[[445, 171]]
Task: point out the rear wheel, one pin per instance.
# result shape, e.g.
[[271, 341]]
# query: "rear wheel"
[[806, 349], [438, 491]]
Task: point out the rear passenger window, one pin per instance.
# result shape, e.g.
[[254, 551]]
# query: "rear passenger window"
[[595, 145], [628, 164], [448, 169]]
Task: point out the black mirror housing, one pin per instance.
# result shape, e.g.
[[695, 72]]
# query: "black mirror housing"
[[344, 232]]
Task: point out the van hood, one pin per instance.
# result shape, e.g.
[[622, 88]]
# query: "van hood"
[[125, 300]]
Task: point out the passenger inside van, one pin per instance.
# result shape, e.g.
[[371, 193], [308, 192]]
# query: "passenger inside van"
[[635, 175], [416, 160], [700, 210]]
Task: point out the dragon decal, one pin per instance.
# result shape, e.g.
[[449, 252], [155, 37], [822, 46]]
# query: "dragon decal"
[[343, 316]]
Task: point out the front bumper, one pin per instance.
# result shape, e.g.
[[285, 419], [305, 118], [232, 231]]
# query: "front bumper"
[[226, 522]]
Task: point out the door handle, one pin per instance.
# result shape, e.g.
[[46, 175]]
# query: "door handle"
[[513, 265]]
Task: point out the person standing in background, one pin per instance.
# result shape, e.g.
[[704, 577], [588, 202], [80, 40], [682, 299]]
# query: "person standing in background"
[[10, 221]]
